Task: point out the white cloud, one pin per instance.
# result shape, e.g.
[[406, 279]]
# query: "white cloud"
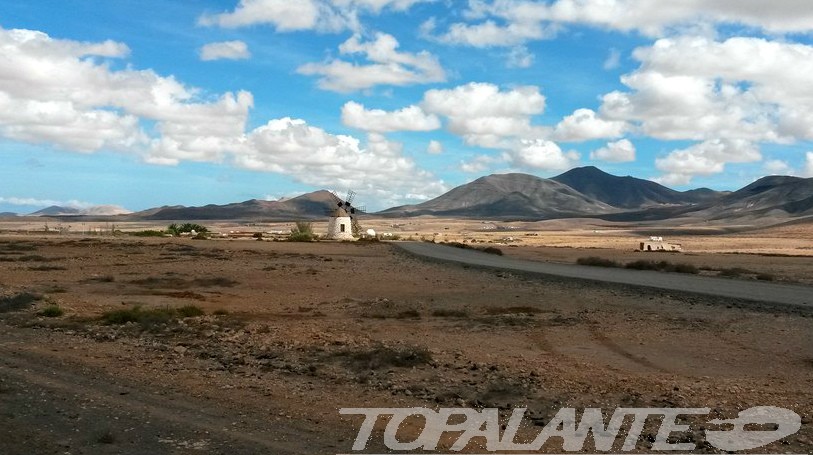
[[541, 154], [387, 66], [284, 15], [615, 152], [514, 22], [808, 169], [486, 116], [585, 125], [411, 118], [316, 157], [93, 107], [717, 92], [35, 202], [777, 167], [478, 164], [613, 60], [434, 148], [520, 57], [229, 50], [706, 158], [290, 16]]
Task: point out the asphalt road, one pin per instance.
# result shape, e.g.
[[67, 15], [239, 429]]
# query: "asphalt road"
[[737, 289]]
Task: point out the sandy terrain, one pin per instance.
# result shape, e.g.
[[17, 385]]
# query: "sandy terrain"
[[292, 332]]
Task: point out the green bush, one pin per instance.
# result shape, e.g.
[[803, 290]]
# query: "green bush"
[[176, 229], [51, 311], [597, 262], [149, 318], [303, 232]]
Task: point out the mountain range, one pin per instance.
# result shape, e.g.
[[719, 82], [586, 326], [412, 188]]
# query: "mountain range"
[[578, 193]]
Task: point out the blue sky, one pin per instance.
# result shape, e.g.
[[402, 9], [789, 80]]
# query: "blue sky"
[[147, 103]]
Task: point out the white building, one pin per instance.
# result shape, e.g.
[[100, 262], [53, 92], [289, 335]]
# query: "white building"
[[340, 226]]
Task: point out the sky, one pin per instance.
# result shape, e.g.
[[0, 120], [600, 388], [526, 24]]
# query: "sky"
[[144, 103]]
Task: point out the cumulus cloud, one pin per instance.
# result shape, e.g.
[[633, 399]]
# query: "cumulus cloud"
[[229, 50], [411, 118], [478, 164], [777, 167], [291, 16], [717, 92], [808, 169], [93, 107], [520, 57], [541, 154], [486, 116], [514, 22], [585, 125], [316, 157], [434, 148], [35, 202], [615, 152], [387, 66], [706, 158], [613, 60]]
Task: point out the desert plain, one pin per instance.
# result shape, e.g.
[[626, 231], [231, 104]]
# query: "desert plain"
[[243, 346]]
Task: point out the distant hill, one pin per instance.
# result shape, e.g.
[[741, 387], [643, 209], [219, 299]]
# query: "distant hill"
[[769, 196], [629, 192], [7, 214], [98, 210], [56, 210], [306, 206], [507, 196]]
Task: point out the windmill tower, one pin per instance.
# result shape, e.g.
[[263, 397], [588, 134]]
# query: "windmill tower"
[[342, 223]]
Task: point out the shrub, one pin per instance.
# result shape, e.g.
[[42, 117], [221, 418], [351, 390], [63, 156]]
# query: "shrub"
[[51, 311], [408, 314], [597, 262], [733, 272], [380, 356], [149, 318], [685, 268], [17, 302], [190, 311], [46, 268], [765, 277], [642, 265], [303, 232], [449, 313], [176, 229], [491, 250]]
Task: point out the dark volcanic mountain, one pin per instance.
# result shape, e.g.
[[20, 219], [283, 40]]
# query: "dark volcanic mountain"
[[768, 196], [507, 196], [629, 192], [56, 210], [311, 205]]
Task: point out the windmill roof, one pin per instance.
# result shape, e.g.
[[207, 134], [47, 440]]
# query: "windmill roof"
[[339, 212]]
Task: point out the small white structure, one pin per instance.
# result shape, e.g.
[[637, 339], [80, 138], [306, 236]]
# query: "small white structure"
[[370, 232], [340, 226], [659, 245]]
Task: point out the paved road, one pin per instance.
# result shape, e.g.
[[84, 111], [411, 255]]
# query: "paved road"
[[738, 289]]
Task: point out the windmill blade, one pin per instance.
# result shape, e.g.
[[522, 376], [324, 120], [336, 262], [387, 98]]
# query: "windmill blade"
[[348, 201], [361, 208]]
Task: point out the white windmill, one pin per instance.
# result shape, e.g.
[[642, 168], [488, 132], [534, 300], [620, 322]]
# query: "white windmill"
[[342, 223]]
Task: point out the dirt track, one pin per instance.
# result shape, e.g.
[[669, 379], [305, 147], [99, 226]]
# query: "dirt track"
[[761, 292]]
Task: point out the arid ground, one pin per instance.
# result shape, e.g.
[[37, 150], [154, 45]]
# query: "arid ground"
[[168, 345]]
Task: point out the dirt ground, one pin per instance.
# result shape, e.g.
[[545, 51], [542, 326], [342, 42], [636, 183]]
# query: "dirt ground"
[[243, 346]]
